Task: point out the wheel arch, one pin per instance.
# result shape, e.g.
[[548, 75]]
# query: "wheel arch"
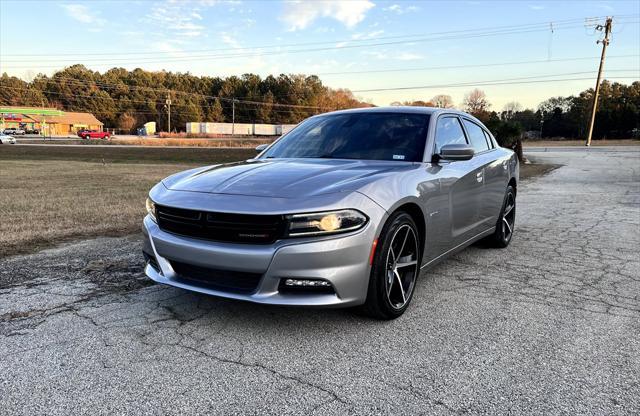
[[414, 210], [514, 183]]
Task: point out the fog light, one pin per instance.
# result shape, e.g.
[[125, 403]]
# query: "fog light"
[[306, 283]]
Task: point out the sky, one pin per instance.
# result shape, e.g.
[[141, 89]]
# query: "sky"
[[384, 51]]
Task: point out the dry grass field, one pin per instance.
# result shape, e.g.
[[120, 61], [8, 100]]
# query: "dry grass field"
[[52, 194], [109, 154], [199, 142], [46, 202]]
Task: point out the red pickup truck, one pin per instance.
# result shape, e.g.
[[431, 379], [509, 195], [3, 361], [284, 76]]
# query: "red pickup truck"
[[94, 134]]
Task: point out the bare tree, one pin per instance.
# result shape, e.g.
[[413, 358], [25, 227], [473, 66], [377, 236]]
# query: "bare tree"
[[510, 109], [126, 122], [475, 102], [442, 101], [418, 103]]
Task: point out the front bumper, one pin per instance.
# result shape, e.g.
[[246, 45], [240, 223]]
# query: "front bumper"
[[343, 260]]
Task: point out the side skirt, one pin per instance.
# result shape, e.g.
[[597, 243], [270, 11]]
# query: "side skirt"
[[459, 247]]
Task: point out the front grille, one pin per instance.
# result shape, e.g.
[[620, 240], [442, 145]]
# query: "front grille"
[[222, 280], [221, 226]]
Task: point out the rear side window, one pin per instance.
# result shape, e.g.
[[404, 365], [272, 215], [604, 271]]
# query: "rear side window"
[[489, 140], [476, 136], [448, 131]]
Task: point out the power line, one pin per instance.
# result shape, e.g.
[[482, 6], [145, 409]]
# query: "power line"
[[507, 81], [136, 61], [130, 87], [249, 100], [293, 51], [544, 24], [93, 97], [483, 83], [164, 91], [479, 83], [428, 68]]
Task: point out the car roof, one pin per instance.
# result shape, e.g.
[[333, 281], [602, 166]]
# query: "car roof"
[[398, 109]]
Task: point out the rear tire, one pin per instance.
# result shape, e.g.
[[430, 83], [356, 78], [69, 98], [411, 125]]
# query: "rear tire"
[[395, 269], [506, 221]]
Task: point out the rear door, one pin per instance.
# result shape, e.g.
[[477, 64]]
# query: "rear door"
[[496, 180], [492, 173]]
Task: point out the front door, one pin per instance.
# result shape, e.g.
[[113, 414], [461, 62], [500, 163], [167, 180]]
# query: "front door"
[[462, 182]]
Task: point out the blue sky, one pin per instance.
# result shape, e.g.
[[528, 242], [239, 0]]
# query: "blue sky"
[[222, 38]]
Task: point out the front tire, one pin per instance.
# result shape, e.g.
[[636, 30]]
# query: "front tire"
[[395, 268]]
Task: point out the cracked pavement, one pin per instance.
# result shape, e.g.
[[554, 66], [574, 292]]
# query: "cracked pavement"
[[550, 325]]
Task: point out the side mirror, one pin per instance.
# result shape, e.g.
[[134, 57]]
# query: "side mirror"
[[457, 151], [261, 147]]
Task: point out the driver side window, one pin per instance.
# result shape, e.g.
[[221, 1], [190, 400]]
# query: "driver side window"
[[448, 131]]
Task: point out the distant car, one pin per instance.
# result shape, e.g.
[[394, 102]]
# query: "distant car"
[[4, 139], [32, 131], [94, 134], [13, 131]]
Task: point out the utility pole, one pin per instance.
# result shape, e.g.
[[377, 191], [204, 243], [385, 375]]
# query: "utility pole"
[[605, 43], [168, 105], [233, 116]]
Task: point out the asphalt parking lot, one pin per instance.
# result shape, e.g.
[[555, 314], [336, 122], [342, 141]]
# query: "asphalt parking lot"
[[550, 325]]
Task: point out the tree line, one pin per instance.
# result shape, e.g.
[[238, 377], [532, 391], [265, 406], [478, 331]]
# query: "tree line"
[[127, 99], [617, 116]]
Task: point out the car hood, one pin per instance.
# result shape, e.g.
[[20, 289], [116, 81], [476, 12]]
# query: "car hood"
[[284, 178]]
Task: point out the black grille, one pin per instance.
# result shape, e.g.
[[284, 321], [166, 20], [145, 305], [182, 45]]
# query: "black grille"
[[222, 280], [220, 226]]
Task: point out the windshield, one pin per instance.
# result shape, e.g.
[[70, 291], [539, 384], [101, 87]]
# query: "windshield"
[[369, 136]]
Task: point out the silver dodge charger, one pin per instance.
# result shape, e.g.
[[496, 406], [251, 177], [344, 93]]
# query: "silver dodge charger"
[[344, 210]]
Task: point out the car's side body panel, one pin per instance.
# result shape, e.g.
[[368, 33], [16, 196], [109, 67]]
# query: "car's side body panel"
[[459, 199]]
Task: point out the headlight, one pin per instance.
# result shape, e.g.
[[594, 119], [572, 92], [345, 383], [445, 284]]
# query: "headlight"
[[321, 223], [151, 209]]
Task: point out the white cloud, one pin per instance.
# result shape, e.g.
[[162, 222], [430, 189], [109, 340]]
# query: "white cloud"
[[408, 56], [392, 56], [300, 14], [398, 9], [83, 14], [536, 7], [230, 40], [176, 17], [364, 36], [605, 6], [376, 54]]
